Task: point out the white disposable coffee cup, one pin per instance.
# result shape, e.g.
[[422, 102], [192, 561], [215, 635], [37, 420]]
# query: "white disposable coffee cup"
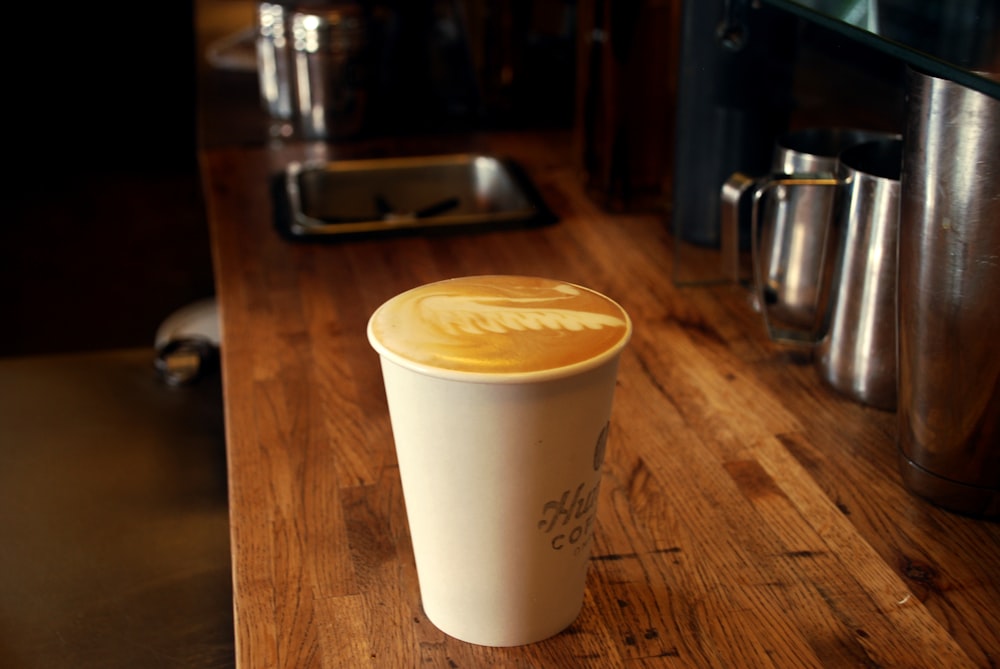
[[500, 419]]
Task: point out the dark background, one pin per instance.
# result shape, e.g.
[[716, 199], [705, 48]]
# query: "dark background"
[[104, 234]]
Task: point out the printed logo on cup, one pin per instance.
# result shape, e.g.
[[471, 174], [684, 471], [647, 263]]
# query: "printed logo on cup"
[[569, 520]]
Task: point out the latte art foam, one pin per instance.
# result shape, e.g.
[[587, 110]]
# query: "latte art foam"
[[499, 325]]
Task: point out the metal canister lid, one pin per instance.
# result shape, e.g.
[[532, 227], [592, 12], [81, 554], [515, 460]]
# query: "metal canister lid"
[[271, 22], [335, 28]]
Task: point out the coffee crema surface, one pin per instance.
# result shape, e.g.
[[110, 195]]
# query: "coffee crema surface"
[[499, 324]]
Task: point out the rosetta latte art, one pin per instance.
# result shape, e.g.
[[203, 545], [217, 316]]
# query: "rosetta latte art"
[[500, 324], [458, 315]]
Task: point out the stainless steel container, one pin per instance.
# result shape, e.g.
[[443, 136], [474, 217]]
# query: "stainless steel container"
[[857, 354], [274, 60], [949, 296], [330, 70]]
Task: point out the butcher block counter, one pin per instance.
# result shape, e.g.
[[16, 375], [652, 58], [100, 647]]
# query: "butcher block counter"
[[748, 515]]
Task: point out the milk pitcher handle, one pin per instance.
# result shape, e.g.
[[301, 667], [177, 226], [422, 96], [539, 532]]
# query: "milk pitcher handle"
[[787, 335], [731, 200]]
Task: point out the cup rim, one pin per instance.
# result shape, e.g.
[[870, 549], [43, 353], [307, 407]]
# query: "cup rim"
[[534, 376]]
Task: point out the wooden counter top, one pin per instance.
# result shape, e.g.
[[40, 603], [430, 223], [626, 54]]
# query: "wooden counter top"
[[748, 515]]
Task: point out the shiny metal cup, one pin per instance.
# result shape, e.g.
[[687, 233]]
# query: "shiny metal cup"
[[857, 354], [330, 71], [949, 297], [851, 270], [274, 60]]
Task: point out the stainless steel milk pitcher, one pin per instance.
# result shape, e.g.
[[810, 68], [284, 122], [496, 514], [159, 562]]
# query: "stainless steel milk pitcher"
[[856, 351], [949, 296], [824, 263], [794, 226]]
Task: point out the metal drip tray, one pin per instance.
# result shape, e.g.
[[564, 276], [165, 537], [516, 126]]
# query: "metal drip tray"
[[332, 200]]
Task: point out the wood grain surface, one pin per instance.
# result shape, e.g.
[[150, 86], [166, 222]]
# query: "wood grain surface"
[[748, 517]]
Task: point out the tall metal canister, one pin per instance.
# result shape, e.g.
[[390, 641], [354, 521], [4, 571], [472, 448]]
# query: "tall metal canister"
[[329, 44], [948, 298]]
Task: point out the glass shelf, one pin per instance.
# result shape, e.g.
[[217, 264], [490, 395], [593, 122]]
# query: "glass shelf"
[[952, 39]]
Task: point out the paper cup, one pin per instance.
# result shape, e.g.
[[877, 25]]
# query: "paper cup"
[[499, 391]]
